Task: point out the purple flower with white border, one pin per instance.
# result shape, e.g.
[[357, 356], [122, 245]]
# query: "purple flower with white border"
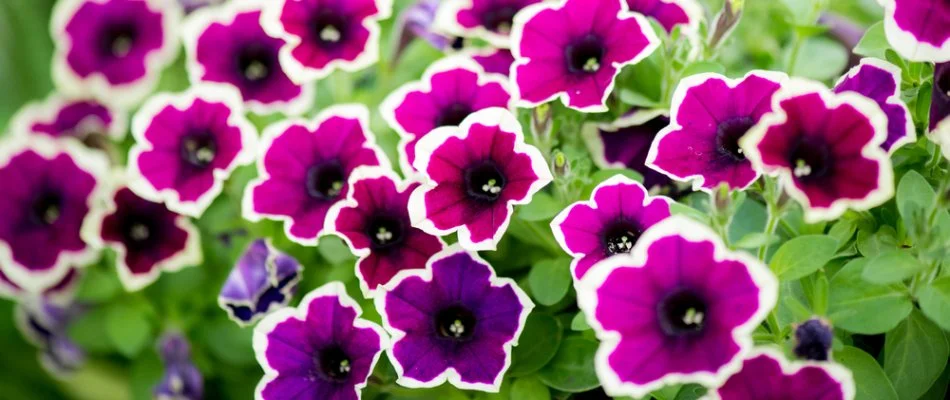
[[450, 90], [940, 97], [625, 143], [63, 116], [50, 188], [680, 308], [44, 323], [490, 20], [320, 350], [917, 29], [187, 145], [710, 114], [880, 81], [494, 61], [766, 375], [192, 5], [228, 45], [670, 13], [58, 292], [263, 280], [113, 50], [454, 321], [610, 223], [825, 149], [325, 35], [181, 380], [473, 175], [813, 340], [374, 222], [304, 168], [575, 49]]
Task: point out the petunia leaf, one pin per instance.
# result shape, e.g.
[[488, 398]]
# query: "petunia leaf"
[[869, 377], [543, 207], [334, 250], [914, 198], [803, 255], [843, 231], [699, 67], [916, 353], [530, 388], [572, 368], [579, 323], [550, 280], [873, 43], [821, 59], [861, 307], [128, 328], [228, 342], [755, 240], [892, 267], [870, 244], [934, 299], [540, 340]]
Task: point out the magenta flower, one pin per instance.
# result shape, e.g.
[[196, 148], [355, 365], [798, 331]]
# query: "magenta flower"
[[304, 168], [474, 175], [765, 375], [625, 143], [450, 90], [880, 81], [573, 51], [62, 116], [453, 321], [670, 13], [917, 29], [63, 290], [710, 114], [490, 20], [494, 61], [680, 308]]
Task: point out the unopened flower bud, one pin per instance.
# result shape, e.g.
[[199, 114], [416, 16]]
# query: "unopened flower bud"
[[813, 340]]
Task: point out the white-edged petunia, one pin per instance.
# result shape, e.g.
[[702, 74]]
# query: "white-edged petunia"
[[766, 375], [262, 280], [489, 20], [917, 29], [880, 81], [60, 116]]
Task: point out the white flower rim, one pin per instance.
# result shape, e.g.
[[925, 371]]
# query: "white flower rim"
[[906, 43], [356, 112], [674, 226], [272, 279], [941, 136], [910, 132], [836, 372], [505, 121], [450, 375], [47, 110], [270, 322], [590, 133], [446, 21]]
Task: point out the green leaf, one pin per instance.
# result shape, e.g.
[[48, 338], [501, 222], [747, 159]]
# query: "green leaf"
[[334, 250], [915, 353], [861, 307], [572, 369], [934, 300], [871, 382], [892, 267], [550, 280], [229, 342], [678, 208], [637, 99], [530, 389], [939, 389], [872, 244], [803, 255], [755, 240], [542, 207], [873, 43], [700, 67], [821, 58], [539, 343], [843, 231], [128, 329], [579, 323]]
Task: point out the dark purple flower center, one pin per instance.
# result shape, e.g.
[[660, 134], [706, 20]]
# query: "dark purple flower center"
[[255, 63], [620, 236], [46, 208], [813, 340], [484, 182], [198, 149], [329, 27], [811, 159], [458, 43], [728, 134], [455, 323], [585, 55], [140, 231], [334, 364], [499, 19], [453, 115], [116, 40], [942, 82], [325, 181], [682, 313], [385, 232]]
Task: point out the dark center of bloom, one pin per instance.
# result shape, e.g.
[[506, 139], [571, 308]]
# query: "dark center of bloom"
[[458, 43], [682, 313], [728, 134], [384, 232], [199, 149], [484, 182], [453, 115], [942, 82], [139, 231], [813, 340], [46, 208], [620, 236], [116, 40], [334, 364], [255, 62], [499, 19], [810, 159], [329, 28], [584, 55], [326, 181], [455, 323]]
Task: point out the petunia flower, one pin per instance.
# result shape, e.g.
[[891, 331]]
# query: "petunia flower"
[[765, 375], [113, 50], [680, 308], [473, 176], [880, 81], [825, 148], [625, 143], [813, 340], [320, 350], [228, 45], [374, 222], [710, 113], [940, 97], [322, 36], [58, 292], [186, 146], [610, 223], [44, 324], [574, 49], [670, 13], [450, 90], [454, 321], [304, 168], [490, 20], [917, 29], [263, 280], [50, 187], [63, 116], [181, 380], [494, 61]]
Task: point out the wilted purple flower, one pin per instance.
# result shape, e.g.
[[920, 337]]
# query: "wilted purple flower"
[[44, 323], [765, 375], [813, 339], [182, 380], [880, 81], [917, 29], [263, 280], [417, 21]]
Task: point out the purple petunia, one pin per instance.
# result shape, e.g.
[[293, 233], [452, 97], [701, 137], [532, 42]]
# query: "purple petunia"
[[610, 223], [374, 222], [228, 45], [187, 145], [473, 176], [670, 13], [325, 35], [575, 49], [765, 375], [320, 350], [917, 29], [45, 323], [113, 50], [181, 380], [813, 340], [625, 143], [454, 321], [494, 61], [710, 115], [490, 20], [450, 90], [680, 308], [825, 148], [880, 81], [59, 291], [62, 116], [263, 280]]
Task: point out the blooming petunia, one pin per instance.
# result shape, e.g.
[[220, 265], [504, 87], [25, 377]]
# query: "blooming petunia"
[[263, 280], [610, 223], [113, 50], [304, 168], [765, 375], [181, 380], [63, 116], [450, 90], [320, 350], [680, 308], [186, 146], [917, 29], [813, 340], [670, 13], [625, 143], [45, 323], [575, 49], [325, 35], [473, 176], [710, 113], [58, 292], [228, 45], [49, 189], [454, 321], [374, 222], [490, 20], [880, 81], [494, 61], [825, 148]]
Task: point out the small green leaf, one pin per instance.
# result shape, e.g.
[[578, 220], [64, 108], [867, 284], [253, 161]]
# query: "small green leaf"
[[821, 58], [871, 382], [538, 344], [700, 67], [530, 389], [572, 369], [872, 244], [803, 255], [550, 280], [637, 99], [861, 307], [934, 299], [543, 207], [229, 342], [128, 329], [873, 43], [755, 240], [915, 353], [843, 231], [678, 208], [334, 250], [892, 267], [579, 323]]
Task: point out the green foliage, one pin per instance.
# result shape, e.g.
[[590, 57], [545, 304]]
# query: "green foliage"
[[802, 256], [872, 383], [572, 369], [862, 307], [917, 353]]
